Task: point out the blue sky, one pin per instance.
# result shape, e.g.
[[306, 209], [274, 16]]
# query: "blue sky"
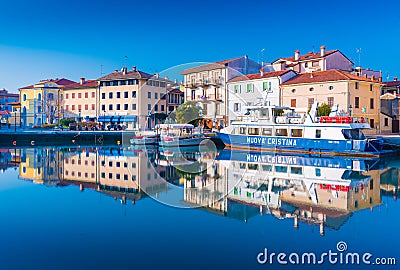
[[46, 39]]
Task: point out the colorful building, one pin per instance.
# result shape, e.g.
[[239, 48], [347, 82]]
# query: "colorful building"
[[356, 95], [206, 85], [255, 89], [41, 103], [81, 100], [132, 98]]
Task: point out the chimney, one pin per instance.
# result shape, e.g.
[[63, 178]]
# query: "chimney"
[[296, 55], [372, 77], [124, 70], [311, 75], [134, 68], [156, 75], [262, 72], [322, 50], [176, 81], [166, 78], [395, 79], [115, 71], [82, 81], [365, 76]]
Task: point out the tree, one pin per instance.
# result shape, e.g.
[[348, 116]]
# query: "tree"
[[188, 112], [324, 110]]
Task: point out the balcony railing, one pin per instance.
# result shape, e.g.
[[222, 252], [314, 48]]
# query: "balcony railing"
[[203, 82]]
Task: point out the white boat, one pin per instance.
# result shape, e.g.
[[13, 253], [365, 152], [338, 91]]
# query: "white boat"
[[178, 135], [260, 129], [145, 139]]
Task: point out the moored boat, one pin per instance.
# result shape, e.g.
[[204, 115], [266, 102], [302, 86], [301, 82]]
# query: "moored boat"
[[262, 130], [178, 135]]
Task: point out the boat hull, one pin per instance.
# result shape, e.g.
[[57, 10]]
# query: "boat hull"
[[302, 145], [181, 142]]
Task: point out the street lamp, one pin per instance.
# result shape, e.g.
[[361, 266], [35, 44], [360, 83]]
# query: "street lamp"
[[350, 109]]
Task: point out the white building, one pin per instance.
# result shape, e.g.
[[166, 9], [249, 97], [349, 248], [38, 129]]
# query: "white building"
[[255, 89]]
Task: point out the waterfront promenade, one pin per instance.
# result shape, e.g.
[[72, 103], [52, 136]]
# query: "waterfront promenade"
[[31, 137]]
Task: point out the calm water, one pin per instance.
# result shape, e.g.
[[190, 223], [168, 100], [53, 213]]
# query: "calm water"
[[121, 208]]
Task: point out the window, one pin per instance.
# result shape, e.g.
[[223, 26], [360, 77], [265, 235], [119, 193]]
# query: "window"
[[50, 96], [281, 132], [73, 95], [114, 83], [297, 133], [126, 107], [306, 65], [126, 94], [66, 107], [330, 101], [254, 131], [86, 107], [110, 175], [133, 107], [118, 164], [162, 84], [148, 94], [293, 90], [236, 107], [310, 102], [267, 131], [103, 107], [265, 86], [118, 94], [73, 107], [311, 89], [24, 97], [281, 169], [157, 84], [371, 103], [79, 107], [103, 175], [86, 95], [110, 95], [103, 95], [149, 107], [79, 95], [162, 108], [118, 176], [250, 87], [122, 82], [156, 95], [133, 177], [110, 107], [125, 177], [318, 133], [66, 96], [242, 130], [237, 89], [371, 87], [93, 94], [93, 107], [134, 94], [293, 103], [156, 108], [118, 107], [317, 172], [133, 165], [296, 170], [330, 87], [356, 102], [356, 86], [372, 123], [386, 122]]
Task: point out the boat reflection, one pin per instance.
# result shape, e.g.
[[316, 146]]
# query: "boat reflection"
[[319, 191]]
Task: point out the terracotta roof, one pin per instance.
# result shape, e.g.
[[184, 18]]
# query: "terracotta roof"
[[258, 75], [129, 74], [174, 90], [211, 66], [4, 112], [60, 82], [86, 84], [308, 56], [393, 83], [326, 76]]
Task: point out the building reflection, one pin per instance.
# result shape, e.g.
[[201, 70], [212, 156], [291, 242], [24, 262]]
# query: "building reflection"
[[124, 174], [319, 191]]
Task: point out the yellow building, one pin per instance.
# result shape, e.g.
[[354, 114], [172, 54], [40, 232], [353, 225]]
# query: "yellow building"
[[356, 95], [42, 102]]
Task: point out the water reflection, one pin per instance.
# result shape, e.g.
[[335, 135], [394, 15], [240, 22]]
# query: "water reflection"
[[322, 192]]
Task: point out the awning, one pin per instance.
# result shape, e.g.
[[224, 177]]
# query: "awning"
[[128, 118], [105, 118]]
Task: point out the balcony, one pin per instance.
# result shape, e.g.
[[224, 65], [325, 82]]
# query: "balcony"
[[217, 97], [203, 83]]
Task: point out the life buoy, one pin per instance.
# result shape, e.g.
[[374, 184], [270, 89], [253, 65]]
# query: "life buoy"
[[32, 142], [14, 143]]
